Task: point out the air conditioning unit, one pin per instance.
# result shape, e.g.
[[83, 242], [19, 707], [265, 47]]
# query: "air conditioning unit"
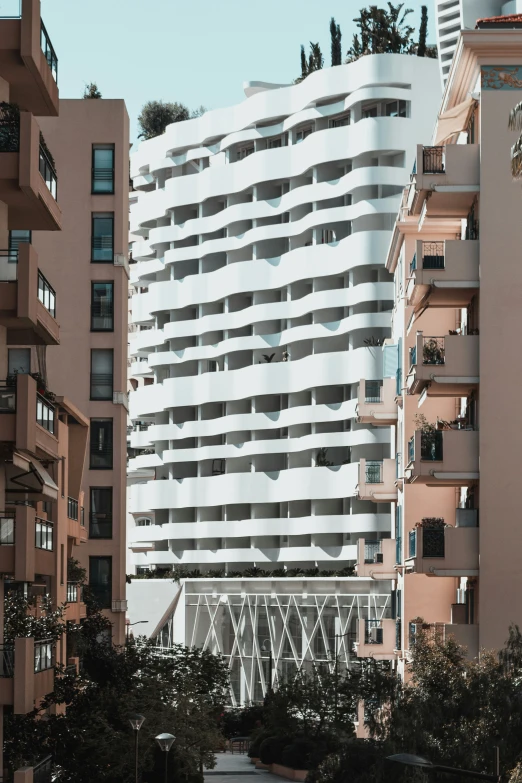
[[378, 557], [376, 635]]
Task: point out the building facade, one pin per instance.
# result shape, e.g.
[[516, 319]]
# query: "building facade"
[[89, 262], [260, 238], [453, 255]]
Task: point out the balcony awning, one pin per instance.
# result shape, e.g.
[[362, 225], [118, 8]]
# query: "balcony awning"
[[453, 121], [33, 478]]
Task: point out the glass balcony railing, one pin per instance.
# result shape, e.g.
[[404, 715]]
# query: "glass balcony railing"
[[413, 264], [373, 632], [42, 772], [72, 593], [412, 543], [72, 509], [48, 50], [45, 414], [46, 295], [48, 171], [9, 127], [433, 543], [44, 534], [7, 397]]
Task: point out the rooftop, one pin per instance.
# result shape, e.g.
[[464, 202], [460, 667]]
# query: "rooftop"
[[510, 22]]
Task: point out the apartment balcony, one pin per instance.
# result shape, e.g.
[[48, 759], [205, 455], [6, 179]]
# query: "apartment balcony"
[[465, 634], [76, 522], [443, 457], [27, 300], [75, 609], [28, 418], [446, 366], [376, 639], [26, 673], [40, 773], [376, 559], [28, 544], [377, 480], [28, 61], [376, 402], [450, 174], [28, 180], [444, 551], [443, 274]]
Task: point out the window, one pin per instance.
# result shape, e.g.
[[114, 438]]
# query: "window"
[[102, 240], [19, 361], [102, 307], [273, 143], [102, 360], [101, 444], [396, 109], [45, 414], [103, 168], [371, 111], [100, 580], [303, 133], [43, 535], [43, 656], [244, 152], [144, 522], [338, 122], [18, 237], [7, 531], [100, 518]]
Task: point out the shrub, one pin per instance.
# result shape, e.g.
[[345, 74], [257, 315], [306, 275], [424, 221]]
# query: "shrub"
[[255, 745], [271, 750], [307, 752]]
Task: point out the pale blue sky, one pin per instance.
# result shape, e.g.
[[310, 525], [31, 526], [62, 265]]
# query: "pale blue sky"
[[193, 51]]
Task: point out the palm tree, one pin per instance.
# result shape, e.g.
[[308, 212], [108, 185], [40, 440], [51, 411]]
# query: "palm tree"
[[382, 31], [515, 124]]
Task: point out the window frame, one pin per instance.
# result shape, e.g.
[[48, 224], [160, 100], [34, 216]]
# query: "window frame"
[[108, 398], [340, 121], [107, 558], [94, 283], [110, 493], [397, 102], [102, 216], [109, 447], [95, 147]]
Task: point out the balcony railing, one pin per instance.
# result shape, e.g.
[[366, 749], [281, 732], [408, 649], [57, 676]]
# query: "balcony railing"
[[48, 172], [411, 449], [8, 266], [412, 543], [433, 160], [7, 397], [7, 530], [413, 356], [46, 295], [44, 534], [72, 509], [431, 446], [7, 660], [43, 655], [373, 632], [433, 255], [11, 9], [45, 414], [372, 391], [433, 350], [370, 550], [432, 543], [48, 50], [72, 593], [374, 469]]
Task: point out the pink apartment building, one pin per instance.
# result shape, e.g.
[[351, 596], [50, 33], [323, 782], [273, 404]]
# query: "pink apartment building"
[[453, 381]]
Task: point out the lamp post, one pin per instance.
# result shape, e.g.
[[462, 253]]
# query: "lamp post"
[[165, 742], [138, 622], [267, 647], [421, 763], [136, 721]]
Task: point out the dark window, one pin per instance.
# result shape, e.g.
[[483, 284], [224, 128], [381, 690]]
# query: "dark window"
[[396, 109], [102, 250], [100, 518], [100, 580], [101, 444], [102, 307], [103, 168], [102, 373], [19, 361]]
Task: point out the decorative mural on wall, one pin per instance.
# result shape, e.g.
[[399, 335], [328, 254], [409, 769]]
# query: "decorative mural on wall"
[[498, 77]]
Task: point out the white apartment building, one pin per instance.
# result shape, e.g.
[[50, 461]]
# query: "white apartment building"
[[261, 233], [456, 15]]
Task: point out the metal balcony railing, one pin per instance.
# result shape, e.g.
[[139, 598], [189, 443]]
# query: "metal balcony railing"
[[373, 472], [46, 294], [433, 160], [370, 550], [8, 265], [373, 632], [72, 593], [7, 659], [432, 543], [45, 414], [372, 391], [412, 543], [44, 534], [48, 172], [72, 509], [43, 655], [433, 255], [433, 350], [431, 446], [48, 50]]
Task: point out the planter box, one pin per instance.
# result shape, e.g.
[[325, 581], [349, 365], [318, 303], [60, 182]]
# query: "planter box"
[[260, 765], [289, 774]]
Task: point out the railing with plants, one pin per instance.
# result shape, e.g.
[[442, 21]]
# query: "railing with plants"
[[9, 265], [48, 50], [433, 350], [373, 471], [433, 160], [372, 391], [46, 294], [9, 127], [254, 572], [432, 536], [433, 255]]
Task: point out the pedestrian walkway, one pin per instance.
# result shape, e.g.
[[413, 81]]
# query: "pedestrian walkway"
[[233, 768]]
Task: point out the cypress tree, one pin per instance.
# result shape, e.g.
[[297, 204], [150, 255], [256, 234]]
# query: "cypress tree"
[[304, 64], [335, 34], [423, 32]]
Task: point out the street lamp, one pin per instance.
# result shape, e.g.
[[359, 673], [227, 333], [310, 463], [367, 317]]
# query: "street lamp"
[[138, 622], [421, 763], [267, 647], [165, 742], [136, 721]]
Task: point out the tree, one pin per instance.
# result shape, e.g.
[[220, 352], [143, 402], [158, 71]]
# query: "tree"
[[199, 112], [335, 35], [423, 32], [91, 91], [315, 61], [515, 124], [304, 64], [156, 115], [382, 31]]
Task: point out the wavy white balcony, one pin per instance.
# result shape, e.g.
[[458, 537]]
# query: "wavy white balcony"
[[252, 555]]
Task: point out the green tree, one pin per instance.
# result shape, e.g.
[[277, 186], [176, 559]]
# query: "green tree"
[[423, 32], [91, 91], [382, 31], [315, 61], [335, 35], [304, 63], [156, 115]]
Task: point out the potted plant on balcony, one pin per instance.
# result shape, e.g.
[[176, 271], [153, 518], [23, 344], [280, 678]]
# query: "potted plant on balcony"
[[40, 382], [431, 440], [432, 523], [433, 351]]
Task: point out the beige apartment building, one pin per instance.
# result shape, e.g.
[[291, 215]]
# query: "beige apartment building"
[[452, 390], [88, 261]]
